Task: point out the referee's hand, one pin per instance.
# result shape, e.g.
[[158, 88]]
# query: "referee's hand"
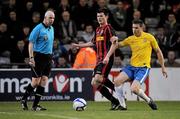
[[31, 62]]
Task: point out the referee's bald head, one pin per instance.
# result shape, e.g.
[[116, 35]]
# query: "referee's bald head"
[[49, 17], [49, 13]]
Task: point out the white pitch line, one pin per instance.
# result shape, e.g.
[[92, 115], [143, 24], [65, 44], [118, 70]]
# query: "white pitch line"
[[56, 116], [9, 113], [45, 115]]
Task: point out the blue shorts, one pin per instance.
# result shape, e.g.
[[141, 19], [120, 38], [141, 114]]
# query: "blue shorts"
[[136, 73]]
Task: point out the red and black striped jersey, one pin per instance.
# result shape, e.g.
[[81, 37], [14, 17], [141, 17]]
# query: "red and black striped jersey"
[[102, 41]]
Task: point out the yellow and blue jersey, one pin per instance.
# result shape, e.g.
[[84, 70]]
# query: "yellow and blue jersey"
[[141, 48], [42, 38]]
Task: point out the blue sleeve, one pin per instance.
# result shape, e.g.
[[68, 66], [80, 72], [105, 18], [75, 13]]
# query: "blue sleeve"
[[34, 34]]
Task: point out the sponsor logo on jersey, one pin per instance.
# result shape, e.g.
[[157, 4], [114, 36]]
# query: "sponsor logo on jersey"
[[99, 38]]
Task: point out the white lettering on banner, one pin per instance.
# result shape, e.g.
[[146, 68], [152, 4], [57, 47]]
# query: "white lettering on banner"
[[79, 83], [62, 83], [24, 82], [50, 80], [45, 97], [9, 85], [14, 83]]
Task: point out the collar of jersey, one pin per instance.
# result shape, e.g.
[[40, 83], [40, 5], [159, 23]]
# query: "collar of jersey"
[[46, 26]]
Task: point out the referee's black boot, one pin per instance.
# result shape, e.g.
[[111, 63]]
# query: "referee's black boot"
[[152, 104], [24, 105], [38, 108]]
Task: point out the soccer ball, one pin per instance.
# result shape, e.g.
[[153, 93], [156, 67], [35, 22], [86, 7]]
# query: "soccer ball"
[[79, 104]]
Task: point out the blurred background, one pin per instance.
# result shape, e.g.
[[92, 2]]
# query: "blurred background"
[[76, 21]]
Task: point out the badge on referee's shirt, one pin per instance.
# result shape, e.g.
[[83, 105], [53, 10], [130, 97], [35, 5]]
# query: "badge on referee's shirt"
[[45, 37]]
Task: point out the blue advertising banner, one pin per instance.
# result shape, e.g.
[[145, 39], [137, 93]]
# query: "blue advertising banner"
[[62, 84]]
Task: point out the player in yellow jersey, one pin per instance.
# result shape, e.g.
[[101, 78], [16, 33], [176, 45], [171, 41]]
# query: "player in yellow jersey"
[[141, 44]]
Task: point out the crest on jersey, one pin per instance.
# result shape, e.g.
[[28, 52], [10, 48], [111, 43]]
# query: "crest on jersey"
[[145, 40], [45, 37]]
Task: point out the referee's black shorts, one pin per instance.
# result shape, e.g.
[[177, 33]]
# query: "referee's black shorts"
[[42, 64]]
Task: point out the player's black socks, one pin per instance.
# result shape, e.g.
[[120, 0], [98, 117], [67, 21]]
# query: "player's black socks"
[[105, 92], [28, 91], [39, 93], [109, 84]]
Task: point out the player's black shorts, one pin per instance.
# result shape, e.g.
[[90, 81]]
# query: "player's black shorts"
[[102, 69], [42, 64]]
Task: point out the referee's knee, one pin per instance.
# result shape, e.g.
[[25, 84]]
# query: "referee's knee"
[[35, 82], [43, 81]]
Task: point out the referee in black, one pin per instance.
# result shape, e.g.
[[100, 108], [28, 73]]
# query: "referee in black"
[[40, 55]]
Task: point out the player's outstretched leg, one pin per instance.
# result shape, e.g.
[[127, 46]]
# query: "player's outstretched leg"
[[135, 87], [115, 104], [109, 84], [152, 104], [121, 97], [149, 100], [105, 92]]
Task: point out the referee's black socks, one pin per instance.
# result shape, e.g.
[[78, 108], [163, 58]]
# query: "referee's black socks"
[[38, 94], [28, 91]]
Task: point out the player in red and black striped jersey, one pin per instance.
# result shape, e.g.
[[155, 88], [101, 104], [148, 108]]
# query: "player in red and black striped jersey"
[[102, 41]]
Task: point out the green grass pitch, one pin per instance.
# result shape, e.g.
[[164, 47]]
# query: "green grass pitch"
[[94, 110]]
